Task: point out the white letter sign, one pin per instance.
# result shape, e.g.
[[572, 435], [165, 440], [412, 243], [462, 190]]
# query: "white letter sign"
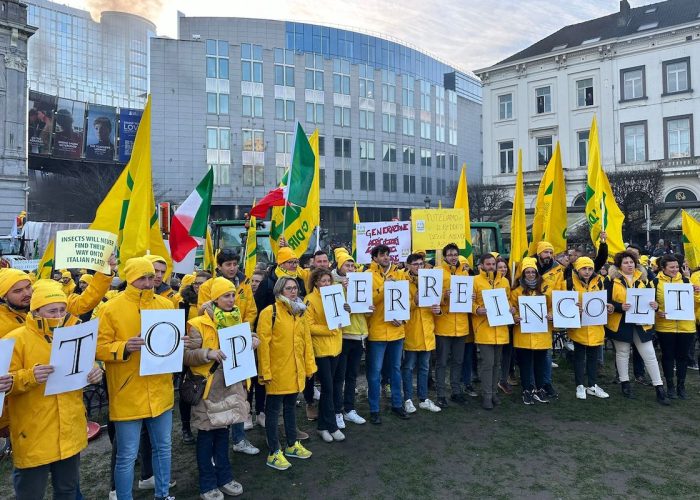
[[333, 300], [678, 301], [595, 308], [429, 287], [396, 301], [461, 292], [236, 342], [72, 357], [162, 330], [497, 307], [533, 313], [640, 312], [6, 348], [359, 294], [565, 309]]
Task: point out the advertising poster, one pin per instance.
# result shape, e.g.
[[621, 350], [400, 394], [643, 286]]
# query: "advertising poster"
[[69, 129], [101, 133], [40, 122], [128, 125]]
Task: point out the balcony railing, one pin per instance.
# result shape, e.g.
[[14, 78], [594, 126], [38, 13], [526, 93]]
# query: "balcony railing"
[[688, 161]]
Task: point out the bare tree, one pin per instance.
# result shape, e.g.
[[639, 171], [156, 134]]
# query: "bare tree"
[[486, 201], [633, 189]]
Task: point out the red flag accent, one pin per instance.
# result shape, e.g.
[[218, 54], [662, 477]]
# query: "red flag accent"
[[274, 198]]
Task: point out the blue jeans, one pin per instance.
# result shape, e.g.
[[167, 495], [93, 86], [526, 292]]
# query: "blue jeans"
[[128, 437], [375, 358], [237, 433], [410, 359], [213, 444], [467, 363], [548, 368]]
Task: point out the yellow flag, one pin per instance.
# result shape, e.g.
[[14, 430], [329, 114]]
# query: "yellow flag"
[[550, 210], [209, 256], [602, 211], [518, 224], [355, 222], [129, 209], [691, 240], [251, 247], [462, 201], [43, 270]]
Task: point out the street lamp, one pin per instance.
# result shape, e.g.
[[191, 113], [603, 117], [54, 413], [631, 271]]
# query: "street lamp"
[[426, 201]]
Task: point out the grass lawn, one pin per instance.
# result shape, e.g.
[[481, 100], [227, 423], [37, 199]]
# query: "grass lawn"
[[596, 448]]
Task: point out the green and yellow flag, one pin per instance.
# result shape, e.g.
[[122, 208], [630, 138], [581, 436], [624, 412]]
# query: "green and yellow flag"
[[602, 211], [303, 193], [209, 255], [251, 247], [550, 210], [691, 240], [518, 224], [355, 222], [462, 201], [129, 209], [43, 270]]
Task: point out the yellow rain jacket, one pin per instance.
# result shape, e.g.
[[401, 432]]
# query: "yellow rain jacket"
[[695, 280], [664, 325], [451, 324], [483, 332], [245, 302], [326, 341], [586, 335], [420, 329], [533, 341], [617, 294], [380, 330]]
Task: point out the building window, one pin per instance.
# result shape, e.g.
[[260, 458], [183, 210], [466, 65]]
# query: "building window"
[[343, 179], [634, 142], [367, 181], [366, 81], [217, 104], [389, 153], [543, 100], [544, 150], [426, 185], [284, 110], [222, 174], [582, 138], [251, 63], [388, 86], [506, 159], [252, 106], [678, 136], [632, 83], [366, 120], [342, 148], [452, 123], [283, 148], [453, 162], [321, 145], [388, 123], [341, 76], [439, 114], [389, 183], [424, 130], [322, 178], [314, 112], [409, 155], [425, 92], [426, 159], [584, 92], [408, 126], [441, 187], [439, 160], [505, 107], [219, 138], [367, 150], [407, 91], [284, 67], [409, 184], [676, 74], [314, 71], [341, 116], [217, 59], [253, 141]]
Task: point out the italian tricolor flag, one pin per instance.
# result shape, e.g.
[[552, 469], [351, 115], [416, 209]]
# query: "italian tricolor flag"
[[189, 224]]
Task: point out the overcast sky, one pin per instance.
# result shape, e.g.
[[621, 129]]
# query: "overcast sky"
[[470, 34]]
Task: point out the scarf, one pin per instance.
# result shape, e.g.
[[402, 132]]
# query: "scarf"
[[531, 284], [297, 306], [283, 273], [225, 319]]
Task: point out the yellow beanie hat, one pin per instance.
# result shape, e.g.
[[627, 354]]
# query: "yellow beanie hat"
[[582, 262], [187, 279], [66, 274], [285, 254], [462, 260], [644, 260], [529, 263], [156, 258], [220, 286], [46, 292], [9, 278], [543, 246], [338, 251], [138, 267], [342, 257], [86, 278]]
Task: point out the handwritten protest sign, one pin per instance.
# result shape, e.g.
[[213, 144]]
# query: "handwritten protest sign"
[[396, 235], [435, 228], [6, 348], [163, 331], [72, 357], [84, 249], [359, 294], [236, 342]]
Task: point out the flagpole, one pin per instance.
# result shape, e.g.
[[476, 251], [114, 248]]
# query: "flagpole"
[[318, 236]]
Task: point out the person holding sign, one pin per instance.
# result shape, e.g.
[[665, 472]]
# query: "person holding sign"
[[532, 347], [285, 361], [327, 343], [675, 336], [220, 406], [489, 338], [627, 275], [135, 400], [47, 432], [586, 339], [419, 343]]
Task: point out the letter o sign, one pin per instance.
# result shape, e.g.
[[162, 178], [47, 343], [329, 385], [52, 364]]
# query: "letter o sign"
[[162, 339], [600, 307]]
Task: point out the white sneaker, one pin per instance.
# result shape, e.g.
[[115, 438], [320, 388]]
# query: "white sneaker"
[[246, 447], [338, 436], [429, 405], [248, 424], [317, 393], [580, 392], [353, 417], [113, 495], [339, 421], [150, 483], [232, 489], [326, 436], [597, 392], [214, 494], [260, 419], [408, 406], [554, 365]]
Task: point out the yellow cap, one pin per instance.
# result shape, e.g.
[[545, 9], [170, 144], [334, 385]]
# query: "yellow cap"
[[86, 278], [187, 279], [529, 263], [582, 262], [138, 267], [644, 260], [338, 251], [9, 278], [543, 246], [220, 286], [46, 292], [284, 254], [343, 257], [66, 274], [156, 258]]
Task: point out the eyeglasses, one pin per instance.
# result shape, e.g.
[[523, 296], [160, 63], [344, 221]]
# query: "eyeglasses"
[[292, 262], [417, 264], [291, 288]]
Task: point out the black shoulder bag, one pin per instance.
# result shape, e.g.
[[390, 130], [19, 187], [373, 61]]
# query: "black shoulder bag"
[[192, 385]]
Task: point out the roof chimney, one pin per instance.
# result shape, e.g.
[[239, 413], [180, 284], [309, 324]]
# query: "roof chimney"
[[625, 13]]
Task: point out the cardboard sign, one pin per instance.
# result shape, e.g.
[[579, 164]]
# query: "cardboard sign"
[[395, 234], [72, 357], [6, 348], [236, 342], [434, 228], [461, 294], [565, 311], [497, 307], [26, 265], [359, 294], [429, 287], [163, 331], [333, 300], [532, 310], [679, 301], [396, 301], [640, 312], [84, 249], [595, 308]]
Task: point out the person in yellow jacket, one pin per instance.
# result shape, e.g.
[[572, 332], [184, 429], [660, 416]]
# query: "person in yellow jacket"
[[695, 280], [419, 342], [327, 343], [227, 266], [625, 274], [285, 361], [675, 336], [67, 282], [221, 405], [531, 348], [47, 432], [160, 285], [135, 400], [586, 339], [490, 339], [451, 330], [384, 337]]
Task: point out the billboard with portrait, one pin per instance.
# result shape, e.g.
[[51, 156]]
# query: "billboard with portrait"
[[69, 129], [100, 133], [128, 125], [40, 122]]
